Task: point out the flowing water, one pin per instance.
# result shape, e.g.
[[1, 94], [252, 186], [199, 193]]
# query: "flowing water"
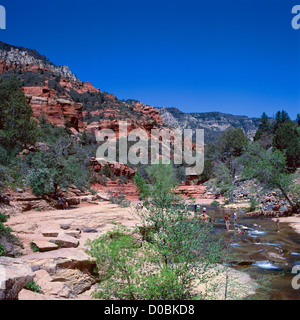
[[264, 253]]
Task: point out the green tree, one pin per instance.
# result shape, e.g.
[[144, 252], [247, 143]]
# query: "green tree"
[[17, 127], [223, 181], [280, 118], [298, 119], [178, 253], [268, 168], [232, 142], [142, 187], [57, 167], [286, 139], [264, 128]]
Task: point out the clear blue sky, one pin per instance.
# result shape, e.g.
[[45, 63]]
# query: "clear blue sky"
[[233, 56]]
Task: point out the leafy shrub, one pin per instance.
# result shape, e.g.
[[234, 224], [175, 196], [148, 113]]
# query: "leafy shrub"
[[33, 286], [2, 250], [253, 204], [34, 247], [3, 218], [215, 203]]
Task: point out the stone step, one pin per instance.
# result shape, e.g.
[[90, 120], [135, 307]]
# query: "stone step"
[[44, 246]]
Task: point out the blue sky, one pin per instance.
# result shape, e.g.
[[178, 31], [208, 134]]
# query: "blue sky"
[[238, 57]]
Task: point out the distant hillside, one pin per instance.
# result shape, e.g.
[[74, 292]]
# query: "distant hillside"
[[214, 123], [54, 91]]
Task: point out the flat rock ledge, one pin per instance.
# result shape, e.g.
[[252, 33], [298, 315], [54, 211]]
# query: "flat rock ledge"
[[15, 274]]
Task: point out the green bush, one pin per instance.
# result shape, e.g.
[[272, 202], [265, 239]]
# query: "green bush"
[[178, 252], [34, 247], [33, 286], [3, 218], [2, 251], [215, 203]]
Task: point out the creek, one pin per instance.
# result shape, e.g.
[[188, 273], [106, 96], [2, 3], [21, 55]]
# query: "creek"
[[265, 254]]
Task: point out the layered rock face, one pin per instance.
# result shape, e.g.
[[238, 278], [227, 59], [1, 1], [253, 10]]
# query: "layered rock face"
[[56, 93], [44, 102]]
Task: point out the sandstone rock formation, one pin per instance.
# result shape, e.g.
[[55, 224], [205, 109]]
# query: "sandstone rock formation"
[[14, 275]]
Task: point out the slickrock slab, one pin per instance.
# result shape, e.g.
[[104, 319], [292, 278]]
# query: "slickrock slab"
[[14, 275], [27, 295], [48, 233], [65, 241], [51, 261], [45, 245], [51, 287], [73, 233]]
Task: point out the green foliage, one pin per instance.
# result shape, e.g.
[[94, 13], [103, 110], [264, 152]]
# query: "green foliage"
[[17, 128], [3, 252], [264, 128], [208, 171], [3, 218], [120, 200], [163, 179], [253, 204], [121, 265], [268, 168], [287, 140], [142, 187], [34, 247], [232, 142], [281, 117], [33, 286], [223, 180], [6, 232], [57, 167]]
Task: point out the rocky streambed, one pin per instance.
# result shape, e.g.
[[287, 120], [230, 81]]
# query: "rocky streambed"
[[62, 269], [262, 252]]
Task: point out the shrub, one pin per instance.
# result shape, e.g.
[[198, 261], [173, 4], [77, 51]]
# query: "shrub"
[[215, 203], [3, 218], [178, 251], [33, 286], [34, 247]]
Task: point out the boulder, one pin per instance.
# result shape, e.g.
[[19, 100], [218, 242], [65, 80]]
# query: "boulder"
[[65, 226], [50, 233], [51, 287], [14, 275], [78, 281], [51, 261], [45, 245], [102, 196], [73, 233], [65, 241], [88, 230]]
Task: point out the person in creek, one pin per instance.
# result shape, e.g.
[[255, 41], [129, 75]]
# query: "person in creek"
[[212, 217], [227, 221], [234, 217]]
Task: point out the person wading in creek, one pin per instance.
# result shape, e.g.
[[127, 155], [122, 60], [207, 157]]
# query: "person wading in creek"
[[227, 221], [234, 217]]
